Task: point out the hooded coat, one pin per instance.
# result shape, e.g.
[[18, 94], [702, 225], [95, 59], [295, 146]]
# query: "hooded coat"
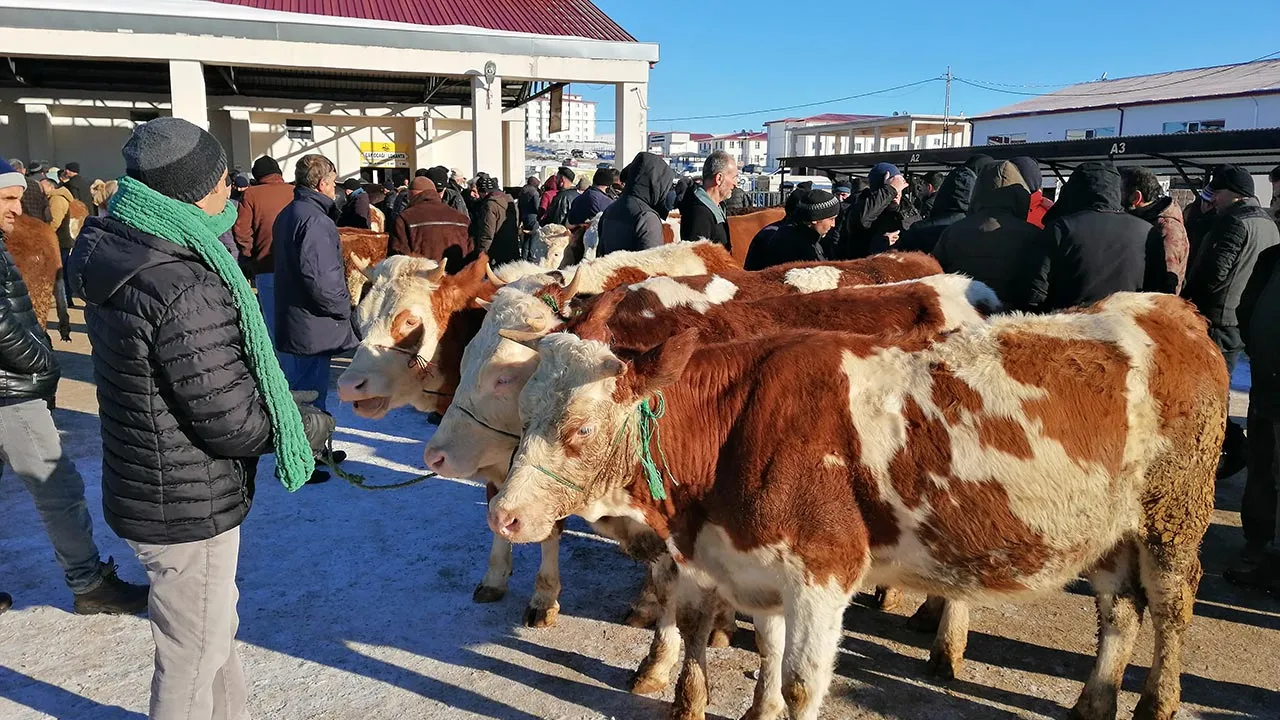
[[430, 229], [634, 220], [1090, 247], [948, 205], [1259, 307], [1166, 272], [994, 242], [497, 232], [863, 230], [183, 422]]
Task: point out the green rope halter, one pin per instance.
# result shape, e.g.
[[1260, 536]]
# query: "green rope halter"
[[551, 302], [647, 418], [186, 225]]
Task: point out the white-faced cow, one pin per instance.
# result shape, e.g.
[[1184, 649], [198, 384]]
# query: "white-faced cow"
[[998, 461], [479, 433]]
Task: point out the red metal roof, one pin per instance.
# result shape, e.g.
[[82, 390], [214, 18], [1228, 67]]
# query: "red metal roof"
[[576, 18]]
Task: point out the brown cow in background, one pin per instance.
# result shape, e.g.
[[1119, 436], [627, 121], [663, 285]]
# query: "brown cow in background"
[[34, 246], [361, 249]]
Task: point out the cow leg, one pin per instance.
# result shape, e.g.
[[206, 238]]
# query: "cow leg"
[[544, 606], [695, 612], [494, 585], [947, 655], [648, 607], [723, 627], [771, 639], [1120, 605], [928, 616], [1172, 594], [654, 672], [814, 627]]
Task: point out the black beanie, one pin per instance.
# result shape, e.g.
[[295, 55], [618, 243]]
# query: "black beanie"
[[486, 183], [440, 176], [264, 166], [1233, 178], [175, 158], [422, 172], [815, 205]]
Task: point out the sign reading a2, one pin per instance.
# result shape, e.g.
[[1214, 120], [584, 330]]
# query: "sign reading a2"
[[915, 157]]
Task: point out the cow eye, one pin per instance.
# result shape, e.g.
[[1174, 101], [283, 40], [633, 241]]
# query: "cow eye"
[[586, 431]]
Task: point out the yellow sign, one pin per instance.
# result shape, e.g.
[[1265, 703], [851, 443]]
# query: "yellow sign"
[[383, 154]]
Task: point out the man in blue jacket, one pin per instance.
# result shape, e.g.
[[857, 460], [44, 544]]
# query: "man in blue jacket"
[[313, 305], [596, 199]]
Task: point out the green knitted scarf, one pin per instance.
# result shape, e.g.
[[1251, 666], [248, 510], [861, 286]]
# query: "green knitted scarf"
[[138, 206]]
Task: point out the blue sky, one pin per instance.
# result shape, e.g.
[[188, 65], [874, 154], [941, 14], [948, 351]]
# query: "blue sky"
[[729, 57]]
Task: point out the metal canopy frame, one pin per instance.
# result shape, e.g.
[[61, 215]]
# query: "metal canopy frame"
[[37, 74], [1258, 151]]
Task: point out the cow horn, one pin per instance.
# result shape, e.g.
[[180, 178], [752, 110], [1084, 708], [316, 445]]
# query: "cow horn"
[[436, 273], [493, 276], [571, 291], [524, 337], [362, 264]]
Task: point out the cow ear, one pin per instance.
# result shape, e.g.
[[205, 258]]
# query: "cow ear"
[[436, 274], [664, 364]]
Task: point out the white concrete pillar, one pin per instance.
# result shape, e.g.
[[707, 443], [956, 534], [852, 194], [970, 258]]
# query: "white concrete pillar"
[[40, 134], [186, 88], [631, 110], [513, 150], [853, 138], [911, 135], [486, 127], [241, 149], [875, 140]]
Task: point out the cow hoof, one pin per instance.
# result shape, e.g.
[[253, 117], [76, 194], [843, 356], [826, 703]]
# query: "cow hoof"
[[646, 684], [686, 714], [888, 598], [637, 618], [486, 594], [541, 617], [771, 712], [1147, 710], [943, 668], [718, 639]]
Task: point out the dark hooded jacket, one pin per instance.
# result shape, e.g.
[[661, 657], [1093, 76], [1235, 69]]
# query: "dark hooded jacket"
[[1090, 247], [1259, 307], [949, 204], [994, 242], [1227, 257], [182, 419], [634, 220]]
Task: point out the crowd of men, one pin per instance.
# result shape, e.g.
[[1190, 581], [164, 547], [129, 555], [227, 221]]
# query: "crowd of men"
[[197, 376]]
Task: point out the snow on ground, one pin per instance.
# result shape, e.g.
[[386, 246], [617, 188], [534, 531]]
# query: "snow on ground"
[[358, 604]]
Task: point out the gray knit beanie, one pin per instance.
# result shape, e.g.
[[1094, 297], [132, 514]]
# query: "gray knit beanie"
[[175, 158]]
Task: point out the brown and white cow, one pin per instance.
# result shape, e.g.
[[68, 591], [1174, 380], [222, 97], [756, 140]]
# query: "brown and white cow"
[[998, 461], [479, 433], [361, 249], [415, 319]]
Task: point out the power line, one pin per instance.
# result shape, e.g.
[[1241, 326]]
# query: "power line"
[[1210, 73], [790, 107]]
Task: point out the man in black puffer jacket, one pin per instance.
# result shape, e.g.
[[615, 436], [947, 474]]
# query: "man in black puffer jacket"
[[182, 415], [1090, 247], [948, 204], [29, 442]]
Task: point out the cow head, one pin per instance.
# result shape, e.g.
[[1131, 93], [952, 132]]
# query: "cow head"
[[402, 319], [578, 451], [553, 241], [476, 429]]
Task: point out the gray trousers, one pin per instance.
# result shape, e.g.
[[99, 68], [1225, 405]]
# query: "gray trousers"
[[194, 622], [29, 443]]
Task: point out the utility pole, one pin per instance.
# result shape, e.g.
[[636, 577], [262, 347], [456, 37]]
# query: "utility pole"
[[946, 113]]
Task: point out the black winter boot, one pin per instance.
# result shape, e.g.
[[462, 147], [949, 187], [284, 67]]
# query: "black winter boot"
[[113, 596]]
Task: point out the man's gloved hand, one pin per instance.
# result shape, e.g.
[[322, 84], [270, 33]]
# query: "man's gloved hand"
[[317, 424]]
